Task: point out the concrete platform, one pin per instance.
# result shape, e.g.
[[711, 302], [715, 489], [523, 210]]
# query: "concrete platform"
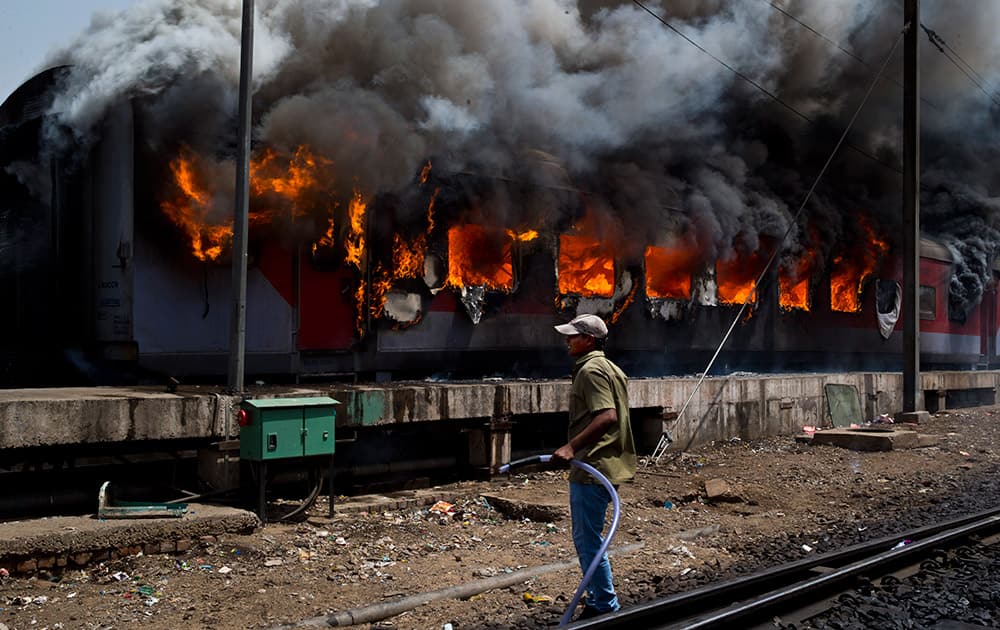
[[26, 546], [869, 440], [747, 406]]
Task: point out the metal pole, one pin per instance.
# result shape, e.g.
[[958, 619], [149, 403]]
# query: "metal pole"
[[237, 337], [911, 208]]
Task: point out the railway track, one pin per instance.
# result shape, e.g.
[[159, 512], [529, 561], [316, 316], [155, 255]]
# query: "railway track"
[[798, 590]]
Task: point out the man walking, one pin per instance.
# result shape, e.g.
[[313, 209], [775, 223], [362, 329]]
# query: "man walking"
[[599, 435]]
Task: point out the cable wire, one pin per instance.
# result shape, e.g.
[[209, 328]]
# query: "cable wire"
[[847, 52], [664, 439], [946, 50], [757, 85]]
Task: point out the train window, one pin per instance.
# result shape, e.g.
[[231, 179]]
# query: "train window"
[[928, 302]]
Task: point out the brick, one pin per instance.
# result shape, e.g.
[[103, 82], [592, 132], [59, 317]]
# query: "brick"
[[208, 540], [151, 548], [27, 566], [168, 546], [46, 562], [81, 558], [183, 545], [101, 556], [62, 561]]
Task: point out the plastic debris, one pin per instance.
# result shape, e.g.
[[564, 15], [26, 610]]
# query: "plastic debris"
[[668, 505], [531, 599], [902, 543], [806, 548], [443, 507], [225, 570]]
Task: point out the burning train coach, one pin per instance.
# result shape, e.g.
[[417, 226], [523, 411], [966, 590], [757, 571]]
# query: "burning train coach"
[[137, 275], [433, 185]]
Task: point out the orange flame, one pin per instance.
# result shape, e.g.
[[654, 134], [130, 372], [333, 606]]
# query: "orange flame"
[[325, 241], [408, 258], [425, 173], [584, 268], [430, 211], [523, 237], [668, 272], [381, 283], [793, 284], [355, 243], [275, 189], [293, 183], [479, 256], [849, 272], [190, 208], [736, 278]]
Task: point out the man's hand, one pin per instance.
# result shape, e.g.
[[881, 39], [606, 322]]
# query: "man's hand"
[[564, 453]]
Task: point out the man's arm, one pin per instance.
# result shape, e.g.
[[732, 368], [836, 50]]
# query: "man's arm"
[[599, 424]]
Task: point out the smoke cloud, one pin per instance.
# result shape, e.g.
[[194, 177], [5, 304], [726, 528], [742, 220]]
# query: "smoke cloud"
[[662, 135]]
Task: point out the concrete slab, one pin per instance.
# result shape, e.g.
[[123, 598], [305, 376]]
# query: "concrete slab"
[[867, 439], [748, 406], [915, 417], [28, 545]]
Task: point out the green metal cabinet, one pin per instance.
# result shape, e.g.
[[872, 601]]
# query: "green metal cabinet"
[[283, 428]]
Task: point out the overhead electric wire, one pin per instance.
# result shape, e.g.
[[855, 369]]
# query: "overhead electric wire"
[[820, 35], [664, 439], [942, 45], [757, 85], [840, 48]]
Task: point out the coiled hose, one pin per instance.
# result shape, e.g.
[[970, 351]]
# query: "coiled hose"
[[596, 474]]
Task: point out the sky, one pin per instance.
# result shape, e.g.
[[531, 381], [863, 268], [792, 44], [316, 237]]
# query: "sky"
[[30, 29]]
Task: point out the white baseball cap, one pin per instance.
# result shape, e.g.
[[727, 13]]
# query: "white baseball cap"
[[585, 325]]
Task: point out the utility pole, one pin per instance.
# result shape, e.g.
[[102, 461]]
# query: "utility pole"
[[911, 208], [238, 322]]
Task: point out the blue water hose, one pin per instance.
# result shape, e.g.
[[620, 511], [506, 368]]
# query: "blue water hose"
[[596, 474]]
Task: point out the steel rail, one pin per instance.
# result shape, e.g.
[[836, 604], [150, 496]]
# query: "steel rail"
[[760, 593]]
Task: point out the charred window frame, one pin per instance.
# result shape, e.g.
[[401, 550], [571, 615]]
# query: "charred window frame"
[[928, 302]]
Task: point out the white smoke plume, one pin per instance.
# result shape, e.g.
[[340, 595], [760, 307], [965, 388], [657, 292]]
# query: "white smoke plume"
[[635, 114]]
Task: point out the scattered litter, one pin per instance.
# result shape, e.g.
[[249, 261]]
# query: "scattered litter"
[[809, 430], [686, 571], [668, 505], [902, 543], [681, 550], [273, 562], [340, 540], [4, 572], [119, 576], [225, 570], [443, 507], [531, 599], [806, 548]]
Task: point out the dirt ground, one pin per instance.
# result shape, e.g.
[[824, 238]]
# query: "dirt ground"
[[784, 500]]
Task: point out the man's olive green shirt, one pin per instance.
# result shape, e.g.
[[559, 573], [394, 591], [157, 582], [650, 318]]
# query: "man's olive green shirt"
[[599, 384]]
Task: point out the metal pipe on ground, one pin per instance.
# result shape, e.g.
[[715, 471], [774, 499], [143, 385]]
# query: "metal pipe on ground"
[[384, 610]]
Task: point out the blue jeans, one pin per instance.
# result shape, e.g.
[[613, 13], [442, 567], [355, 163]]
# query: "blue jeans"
[[588, 504]]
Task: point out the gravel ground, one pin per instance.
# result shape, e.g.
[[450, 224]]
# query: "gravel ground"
[[784, 500]]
